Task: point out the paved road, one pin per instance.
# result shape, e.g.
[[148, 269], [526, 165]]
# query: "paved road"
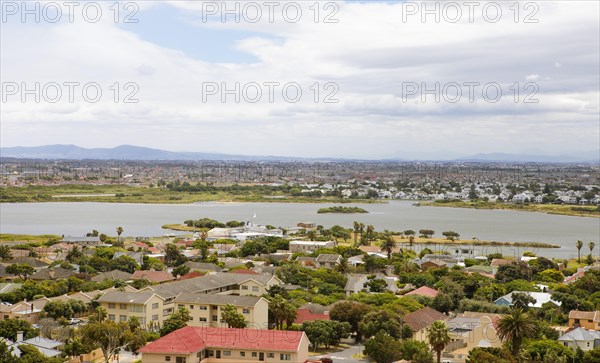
[[345, 356]]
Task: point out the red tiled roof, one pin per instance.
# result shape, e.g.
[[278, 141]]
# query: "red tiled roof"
[[154, 276], [243, 271], [303, 315], [191, 339], [154, 250], [191, 275], [423, 318], [424, 291]]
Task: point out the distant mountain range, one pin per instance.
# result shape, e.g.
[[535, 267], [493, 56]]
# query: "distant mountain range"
[[129, 152]]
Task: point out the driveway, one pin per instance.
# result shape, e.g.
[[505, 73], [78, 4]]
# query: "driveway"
[[345, 356]]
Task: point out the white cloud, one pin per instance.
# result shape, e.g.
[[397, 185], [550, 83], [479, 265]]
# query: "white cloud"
[[370, 54]]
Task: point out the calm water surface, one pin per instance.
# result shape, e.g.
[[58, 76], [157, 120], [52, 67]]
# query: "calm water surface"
[[147, 219]]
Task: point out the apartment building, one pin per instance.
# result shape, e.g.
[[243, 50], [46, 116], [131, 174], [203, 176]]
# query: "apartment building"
[[150, 308]]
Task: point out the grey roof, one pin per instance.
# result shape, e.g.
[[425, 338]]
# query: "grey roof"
[[112, 275], [203, 266], [580, 334], [126, 297], [213, 299], [43, 342], [353, 280], [207, 282], [328, 257], [461, 324], [75, 239]]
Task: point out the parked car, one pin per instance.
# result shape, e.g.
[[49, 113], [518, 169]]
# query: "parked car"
[[74, 321]]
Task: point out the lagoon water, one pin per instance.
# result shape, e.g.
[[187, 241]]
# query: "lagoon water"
[[78, 218]]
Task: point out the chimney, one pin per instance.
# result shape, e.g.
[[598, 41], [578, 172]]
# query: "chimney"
[[19, 336]]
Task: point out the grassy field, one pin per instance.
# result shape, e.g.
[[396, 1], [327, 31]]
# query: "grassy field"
[[6, 237], [140, 194], [569, 210]]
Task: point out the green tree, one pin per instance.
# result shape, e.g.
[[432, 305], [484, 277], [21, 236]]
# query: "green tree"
[[388, 245], [10, 327], [283, 312], [592, 356], [325, 332], [233, 317], [579, 246], [438, 337], [385, 321], [119, 233], [5, 253], [350, 312], [416, 351], [6, 355], [522, 300], [514, 327], [383, 348], [107, 335], [180, 270], [30, 354], [177, 320], [376, 285], [22, 270]]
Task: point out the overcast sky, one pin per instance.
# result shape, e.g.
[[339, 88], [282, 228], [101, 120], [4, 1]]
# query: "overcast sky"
[[371, 57]]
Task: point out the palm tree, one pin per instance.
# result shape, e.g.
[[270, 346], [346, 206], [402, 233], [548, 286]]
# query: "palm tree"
[[579, 246], [356, 231], [369, 234], [438, 337], [411, 241], [388, 246], [516, 326], [119, 232], [343, 267], [591, 246]]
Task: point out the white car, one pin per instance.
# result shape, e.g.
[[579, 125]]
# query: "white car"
[[74, 321]]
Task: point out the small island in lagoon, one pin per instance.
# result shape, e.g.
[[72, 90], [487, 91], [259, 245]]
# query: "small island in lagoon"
[[340, 209]]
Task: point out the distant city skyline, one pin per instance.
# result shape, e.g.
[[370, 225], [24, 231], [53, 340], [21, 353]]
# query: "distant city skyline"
[[376, 81]]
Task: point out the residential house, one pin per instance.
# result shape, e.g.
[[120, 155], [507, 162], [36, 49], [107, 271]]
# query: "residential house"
[[48, 347], [82, 241], [421, 319], [355, 283], [329, 261], [311, 312], [472, 331], [206, 309], [584, 319], [53, 273], [20, 311], [307, 261], [112, 275], [540, 299], [433, 264], [138, 257], [225, 345], [218, 283], [581, 338], [309, 246], [152, 276], [576, 276], [150, 308], [202, 266], [424, 291]]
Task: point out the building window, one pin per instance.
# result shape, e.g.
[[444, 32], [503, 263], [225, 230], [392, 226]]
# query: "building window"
[[203, 307], [246, 311], [271, 355], [155, 306], [111, 305], [136, 308], [167, 358], [202, 319], [122, 306], [191, 307], [180, 306], [111, 317], [254, 288], [155, 317], [180, 360], [122, 317], [242, 354], [244, 287], [283, 356], [215, 318], [254, 354], [227, 353]]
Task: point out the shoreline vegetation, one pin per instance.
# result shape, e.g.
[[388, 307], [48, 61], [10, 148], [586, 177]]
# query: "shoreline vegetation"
[[444, 241], [156, 195], [342, 210], [558, 209]]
